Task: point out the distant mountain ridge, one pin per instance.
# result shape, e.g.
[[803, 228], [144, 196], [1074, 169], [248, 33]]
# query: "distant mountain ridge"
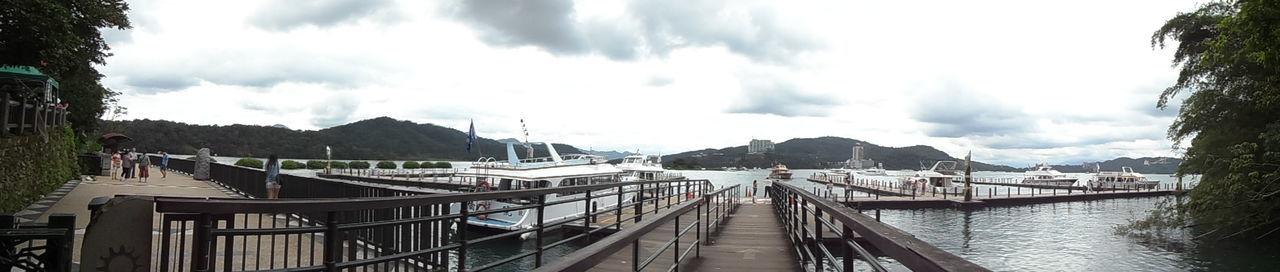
[[372, 139], [812, 153], [1147, 165]]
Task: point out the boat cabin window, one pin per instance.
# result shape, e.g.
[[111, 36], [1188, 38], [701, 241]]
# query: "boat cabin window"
[[504, 185]]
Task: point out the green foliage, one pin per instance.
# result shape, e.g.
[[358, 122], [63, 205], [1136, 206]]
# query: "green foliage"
[[386, 165], [1229, 55], [193, 158], [684, 164], [314, 164], [292, 164], [426, 164], [410, 165], [250, 162], [444, 164], [65, 35], [379, 138], [359, 165], [338, 165], [34, 166]]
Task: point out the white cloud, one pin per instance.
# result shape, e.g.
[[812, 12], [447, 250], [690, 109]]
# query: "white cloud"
[[1017, 82]]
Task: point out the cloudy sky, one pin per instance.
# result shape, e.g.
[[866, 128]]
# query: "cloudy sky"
[[1016, 82]]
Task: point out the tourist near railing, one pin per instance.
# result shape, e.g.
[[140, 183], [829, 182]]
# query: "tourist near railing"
[[808, 219], [37, 246], [710, 212], [409, 232]]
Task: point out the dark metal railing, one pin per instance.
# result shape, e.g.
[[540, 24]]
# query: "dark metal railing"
[[37, 246], [376, 232], [811, 222], [709, 214], [19, 117]]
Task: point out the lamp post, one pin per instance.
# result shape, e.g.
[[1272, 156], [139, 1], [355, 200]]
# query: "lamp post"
[[328, 161]]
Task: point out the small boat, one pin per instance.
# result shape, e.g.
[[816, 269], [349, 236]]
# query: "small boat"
[[779, 171], [1125, 179], [832, 175], [1045, 175], [876, 171]]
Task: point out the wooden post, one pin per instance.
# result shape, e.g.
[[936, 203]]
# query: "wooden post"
[[4, 116], [22, 118]]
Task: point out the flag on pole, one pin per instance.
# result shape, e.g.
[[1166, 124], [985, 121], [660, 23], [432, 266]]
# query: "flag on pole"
[[471, 136]]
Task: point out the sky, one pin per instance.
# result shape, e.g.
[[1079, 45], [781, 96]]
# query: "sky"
[[1015, 82]]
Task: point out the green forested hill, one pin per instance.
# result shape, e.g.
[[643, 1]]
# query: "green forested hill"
[[817, 153], [1147, 165], [378, 138]]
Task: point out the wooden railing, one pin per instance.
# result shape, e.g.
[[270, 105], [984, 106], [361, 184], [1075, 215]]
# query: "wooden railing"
[[20, 118]]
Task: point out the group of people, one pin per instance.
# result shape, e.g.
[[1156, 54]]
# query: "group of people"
[[129, 163]]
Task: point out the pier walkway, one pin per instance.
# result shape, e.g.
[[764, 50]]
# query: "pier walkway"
[[753, 240]]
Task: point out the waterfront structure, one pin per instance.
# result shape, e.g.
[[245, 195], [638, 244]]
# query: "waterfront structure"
[[759, 146]]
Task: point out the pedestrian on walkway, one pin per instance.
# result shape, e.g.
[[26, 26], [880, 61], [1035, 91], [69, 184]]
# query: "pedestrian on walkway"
[[755, 187], [273, 177], [144, 164], [164, 164], [126, 165], [115, 165]]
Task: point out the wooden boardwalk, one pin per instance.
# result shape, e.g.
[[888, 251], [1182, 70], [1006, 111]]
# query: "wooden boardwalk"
[[752, 240]]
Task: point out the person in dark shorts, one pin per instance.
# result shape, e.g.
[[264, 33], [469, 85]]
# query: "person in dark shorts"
[[755, 188], [144, 165], [273, 177], [164, 164]]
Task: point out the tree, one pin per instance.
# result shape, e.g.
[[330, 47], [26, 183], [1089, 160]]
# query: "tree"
[[292, 164], [316, 164], [358, 165], [338, 165], [386, 165], [250, 162], [1229, 55], [63, 39], [410, 165]]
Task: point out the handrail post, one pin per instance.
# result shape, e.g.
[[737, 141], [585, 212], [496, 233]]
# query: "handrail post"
[[848, 250], [617, 213], [818, 230], [331, 241], [61, 248], [638, 204], [462, 233], [697, 240], [202, 242], [675, 251], [588, 216], [542, 224]]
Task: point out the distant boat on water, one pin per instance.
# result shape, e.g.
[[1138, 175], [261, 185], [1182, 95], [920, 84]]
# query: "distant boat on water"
[[779, 171], [1126, 178]]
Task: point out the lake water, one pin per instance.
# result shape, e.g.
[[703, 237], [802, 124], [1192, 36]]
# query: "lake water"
[[1073, 236]]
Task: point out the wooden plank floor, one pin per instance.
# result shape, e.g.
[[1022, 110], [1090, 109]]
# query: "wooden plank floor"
[[751, 240]]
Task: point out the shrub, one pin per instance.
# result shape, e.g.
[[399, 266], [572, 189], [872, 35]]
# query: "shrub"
[[410, 165], [250, 162], [444, 164], [193, 158], [338, 165], [315, 164], [386, 165], [292, 164], [358, 165], [426, 164]]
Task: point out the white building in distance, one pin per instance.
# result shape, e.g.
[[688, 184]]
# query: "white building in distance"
[[759, 146]]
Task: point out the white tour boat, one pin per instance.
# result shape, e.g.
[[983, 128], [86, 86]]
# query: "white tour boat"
[[943, 174], [533, 173], [1124, 179], [641, 167], [1045, 175]]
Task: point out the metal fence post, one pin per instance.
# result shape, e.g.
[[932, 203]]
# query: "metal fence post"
[[331, 241], [202, 243], [542, 224], [60, 249], [462, 234]]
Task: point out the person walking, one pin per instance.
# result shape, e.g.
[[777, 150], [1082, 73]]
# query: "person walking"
[[755, 187], [144, 165], [164, 164], [273, 177], [126, 165], [115, 166]]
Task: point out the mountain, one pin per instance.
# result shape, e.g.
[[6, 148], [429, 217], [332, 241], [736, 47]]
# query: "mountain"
[[1146, 165], [818, 153], [610, 155], [377, 138]]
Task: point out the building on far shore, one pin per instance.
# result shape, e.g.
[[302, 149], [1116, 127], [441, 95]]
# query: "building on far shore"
[[860, 160], [759, 146]]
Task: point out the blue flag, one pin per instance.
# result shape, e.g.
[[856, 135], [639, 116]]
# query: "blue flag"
[[471, 136]]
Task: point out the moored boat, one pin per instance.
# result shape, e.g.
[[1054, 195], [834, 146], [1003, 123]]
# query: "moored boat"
[[1045, 175], [1125, 179], [779, 171]]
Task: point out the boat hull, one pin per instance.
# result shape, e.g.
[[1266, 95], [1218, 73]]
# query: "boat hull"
[[1055, 182]]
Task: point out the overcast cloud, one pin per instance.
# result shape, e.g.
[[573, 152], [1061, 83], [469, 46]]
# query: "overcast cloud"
[[1016, 82]]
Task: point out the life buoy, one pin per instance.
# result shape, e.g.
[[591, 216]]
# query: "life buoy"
[[482, 206]]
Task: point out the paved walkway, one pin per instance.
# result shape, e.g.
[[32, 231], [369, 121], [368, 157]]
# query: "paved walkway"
[[75, 199], [751, 240]]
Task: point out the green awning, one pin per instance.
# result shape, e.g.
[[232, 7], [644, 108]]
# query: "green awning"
[[28, 73]]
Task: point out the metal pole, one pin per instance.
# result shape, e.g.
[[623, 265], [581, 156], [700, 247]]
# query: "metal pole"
[[542, 204]]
